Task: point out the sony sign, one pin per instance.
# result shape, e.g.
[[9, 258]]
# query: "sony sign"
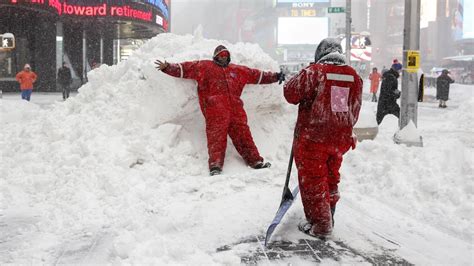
[[303, 5]]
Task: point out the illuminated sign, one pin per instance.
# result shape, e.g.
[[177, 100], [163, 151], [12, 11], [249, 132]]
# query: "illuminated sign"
[[302, 30], [301, 1], [303, 12], [7, 41], [468, 20], [133, 10], [302, 5], [104, 10], [159, 20], [162, 6]]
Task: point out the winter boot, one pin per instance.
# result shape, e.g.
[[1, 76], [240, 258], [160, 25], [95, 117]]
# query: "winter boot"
[[261, 165], [307, 228], [215, 171]]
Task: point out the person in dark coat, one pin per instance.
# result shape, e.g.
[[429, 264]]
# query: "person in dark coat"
[[442, 88], [65, 80], [389, 93], [421, 88]]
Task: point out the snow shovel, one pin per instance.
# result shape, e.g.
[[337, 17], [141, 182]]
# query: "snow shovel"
[[286, 201]]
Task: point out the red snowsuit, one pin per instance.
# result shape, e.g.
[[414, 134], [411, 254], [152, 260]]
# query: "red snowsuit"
[[219, 90], [329, 98]]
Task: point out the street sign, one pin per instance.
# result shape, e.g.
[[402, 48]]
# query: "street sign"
[[334, 9], [7, 41], [413, 61]]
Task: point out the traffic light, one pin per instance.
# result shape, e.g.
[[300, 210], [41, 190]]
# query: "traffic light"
[[7, 41]]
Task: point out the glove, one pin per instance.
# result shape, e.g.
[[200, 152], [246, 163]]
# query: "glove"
[[161, 65], [281, 77]]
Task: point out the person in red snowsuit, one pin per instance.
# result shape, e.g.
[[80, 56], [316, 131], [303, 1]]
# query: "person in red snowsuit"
[[220, 86], [329, 95]]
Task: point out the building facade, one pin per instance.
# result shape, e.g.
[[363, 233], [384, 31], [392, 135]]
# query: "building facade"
[[82, 33]]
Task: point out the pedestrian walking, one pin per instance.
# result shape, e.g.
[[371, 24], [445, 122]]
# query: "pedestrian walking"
[[374, 78], [442, 88], [26, 78], [389, 93], [65, 80]]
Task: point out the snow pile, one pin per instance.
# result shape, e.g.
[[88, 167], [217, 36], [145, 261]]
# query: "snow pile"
[[367, 117], [127, 158], [408, 134], [434, 184]]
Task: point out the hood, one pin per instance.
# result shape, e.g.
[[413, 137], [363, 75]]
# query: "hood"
[[392, 71], [217, 51], [329, 51], [397, 66]]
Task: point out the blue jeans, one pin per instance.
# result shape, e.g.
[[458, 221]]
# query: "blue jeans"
[[26, 94]]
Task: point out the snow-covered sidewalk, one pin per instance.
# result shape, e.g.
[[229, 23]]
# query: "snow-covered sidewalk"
[[118, 174]]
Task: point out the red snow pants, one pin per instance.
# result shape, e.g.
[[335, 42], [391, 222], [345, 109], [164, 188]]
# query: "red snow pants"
[[318, 175], [223, 120]]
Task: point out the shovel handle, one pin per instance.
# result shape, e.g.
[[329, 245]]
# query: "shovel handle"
[[286, 190]]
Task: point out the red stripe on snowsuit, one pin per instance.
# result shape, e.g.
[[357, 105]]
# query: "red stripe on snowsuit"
[[219, 91], [320, 142]]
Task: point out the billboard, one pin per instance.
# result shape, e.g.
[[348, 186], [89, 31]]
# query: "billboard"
[[151, 11], [457, 20], [468, 21], [302, 30], [301, 1]]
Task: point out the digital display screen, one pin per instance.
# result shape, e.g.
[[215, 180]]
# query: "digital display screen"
[[302, 30], [301, 1], [468, 20]]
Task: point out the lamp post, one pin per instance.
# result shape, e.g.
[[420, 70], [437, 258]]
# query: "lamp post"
[[410, 82], [348, 31]]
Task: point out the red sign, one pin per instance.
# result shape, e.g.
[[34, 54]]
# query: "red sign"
[[102, 10]]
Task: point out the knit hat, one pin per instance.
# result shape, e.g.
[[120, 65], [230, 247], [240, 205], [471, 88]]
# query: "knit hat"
[[397, 66]]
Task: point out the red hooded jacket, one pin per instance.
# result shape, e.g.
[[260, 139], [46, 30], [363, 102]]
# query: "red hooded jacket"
[[311, 89], [218, 85]]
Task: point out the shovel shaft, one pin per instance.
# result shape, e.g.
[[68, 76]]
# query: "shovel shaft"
[[286, 190]]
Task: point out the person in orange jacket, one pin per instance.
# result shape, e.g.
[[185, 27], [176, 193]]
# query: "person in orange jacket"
[[374, 78], [26, 78]]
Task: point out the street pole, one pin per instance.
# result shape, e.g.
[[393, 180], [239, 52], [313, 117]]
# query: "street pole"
[[411, 64], [348, 31]]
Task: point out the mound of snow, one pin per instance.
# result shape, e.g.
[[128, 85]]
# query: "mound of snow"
[[128, 154], [408, 134], [366, 117]]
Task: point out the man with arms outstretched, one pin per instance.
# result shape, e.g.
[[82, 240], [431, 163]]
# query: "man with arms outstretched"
[[220, 86]]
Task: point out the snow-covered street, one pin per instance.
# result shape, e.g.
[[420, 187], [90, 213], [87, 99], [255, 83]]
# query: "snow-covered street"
[[118, 174]]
